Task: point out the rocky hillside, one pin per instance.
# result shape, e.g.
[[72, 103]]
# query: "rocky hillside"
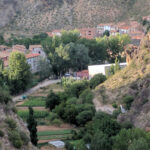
[[133, 81], [33, 16], [11, 129]]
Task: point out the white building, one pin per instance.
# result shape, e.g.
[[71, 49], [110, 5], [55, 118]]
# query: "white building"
[[96, 69], [33, 61], [37, 49]]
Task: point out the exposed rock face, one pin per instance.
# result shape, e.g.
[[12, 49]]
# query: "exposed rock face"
[[130, 51], [6, 112], [134, 80]]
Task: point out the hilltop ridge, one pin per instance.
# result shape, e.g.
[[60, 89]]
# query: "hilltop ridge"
[[32, 16]]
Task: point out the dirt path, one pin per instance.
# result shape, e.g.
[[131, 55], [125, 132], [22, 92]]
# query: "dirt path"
[[100, 107], [30, 91]]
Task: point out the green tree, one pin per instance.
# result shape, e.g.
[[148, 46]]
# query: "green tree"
[[96, 80], [70, 36], [44, 68], [106, 33], [19, 74], [139, 144], [100, 141], [52, 100], [127, 139], [32, 124]]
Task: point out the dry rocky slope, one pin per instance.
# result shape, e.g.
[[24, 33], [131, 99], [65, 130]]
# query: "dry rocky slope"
[[32, 16], [5, 113], [133, 81]]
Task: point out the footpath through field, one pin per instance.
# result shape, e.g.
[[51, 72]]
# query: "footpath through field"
[[40, 85]]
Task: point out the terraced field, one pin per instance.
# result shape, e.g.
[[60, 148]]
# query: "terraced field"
[[46, 130]]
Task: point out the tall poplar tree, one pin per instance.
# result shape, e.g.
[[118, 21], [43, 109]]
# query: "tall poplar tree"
[[32, 124]]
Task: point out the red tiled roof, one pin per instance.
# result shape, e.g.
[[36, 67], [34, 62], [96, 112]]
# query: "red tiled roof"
[[4, 54], [31, 55], [34, 46]]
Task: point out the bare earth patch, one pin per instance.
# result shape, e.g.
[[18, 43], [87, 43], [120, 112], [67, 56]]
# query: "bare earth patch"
[[51, 148], [47, 128]]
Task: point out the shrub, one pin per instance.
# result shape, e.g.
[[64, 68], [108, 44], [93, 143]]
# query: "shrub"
[[116, 113], [87, 138], [14, 109], [4, 96], [24, 138], [84, 117], [77, 88], [86, 96], [69, 146], [52, 116], [96, 80], [128, 101], [114, 105], [127, 125], [52, 100], [1, 133], [15, 138], [56, 122], [11, 123], [66, 82]]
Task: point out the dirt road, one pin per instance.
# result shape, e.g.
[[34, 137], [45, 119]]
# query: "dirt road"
[[30, 91]]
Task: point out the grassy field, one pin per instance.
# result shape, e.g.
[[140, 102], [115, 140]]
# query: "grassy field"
[[57, 132], [60, 137], [34, 102], [37, 114]]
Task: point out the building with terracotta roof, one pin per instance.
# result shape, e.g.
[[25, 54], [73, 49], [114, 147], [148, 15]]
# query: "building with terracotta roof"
[[33, 61], [5, 48], [20, 48], [37, 49], [89, 33], [4, 56], [84, 74]]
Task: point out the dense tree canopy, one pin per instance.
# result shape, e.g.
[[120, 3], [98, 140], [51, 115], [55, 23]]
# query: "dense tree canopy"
[[19, 74]]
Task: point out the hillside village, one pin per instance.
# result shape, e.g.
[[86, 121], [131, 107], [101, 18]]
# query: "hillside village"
[[81, 89], [132, 28]]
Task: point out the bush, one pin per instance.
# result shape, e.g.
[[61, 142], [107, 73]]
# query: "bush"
[[24, 138], [77, 88], [4, 96], [15, 138], [84, 117], [127, 125], [96, 80], [87, 138], [128, 101], [114, 105], [56, 122], [116, 113], [86, 97], [11, 123], [52, 116], [1, 133], [69, 146], [52, 100]]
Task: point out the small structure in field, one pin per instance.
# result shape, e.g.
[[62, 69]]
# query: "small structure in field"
[[57, 144]]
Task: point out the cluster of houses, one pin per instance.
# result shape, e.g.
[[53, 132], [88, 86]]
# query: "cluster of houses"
[[33, 55], [35, 52], [132, 28]]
